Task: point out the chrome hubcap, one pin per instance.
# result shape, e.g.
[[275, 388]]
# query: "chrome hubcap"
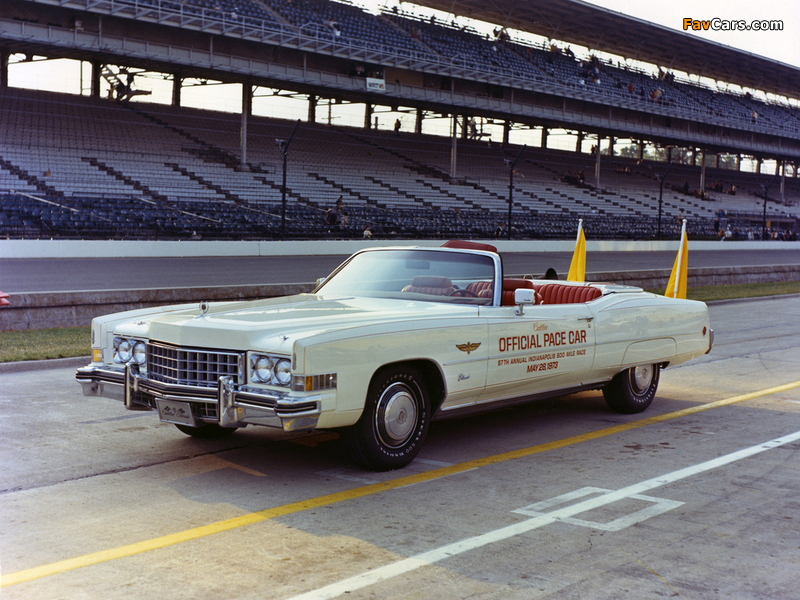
[[642, 376], [396, 417]]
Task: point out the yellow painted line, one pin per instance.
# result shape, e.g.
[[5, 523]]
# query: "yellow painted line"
[[181, 537]]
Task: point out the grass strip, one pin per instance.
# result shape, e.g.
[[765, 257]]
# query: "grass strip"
[[41, 344], [712, 293]]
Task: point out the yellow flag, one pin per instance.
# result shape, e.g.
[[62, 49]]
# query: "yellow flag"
[[577, 269], [676, 287]]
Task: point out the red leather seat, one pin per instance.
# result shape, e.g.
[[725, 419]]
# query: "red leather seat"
[[509, 285], [557, 293], [482, 289], [431, 285]]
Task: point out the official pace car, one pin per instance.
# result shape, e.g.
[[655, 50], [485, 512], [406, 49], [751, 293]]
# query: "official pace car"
[[393, 338]]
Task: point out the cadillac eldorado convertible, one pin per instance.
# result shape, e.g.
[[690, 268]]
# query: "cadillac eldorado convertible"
[[392, 339]]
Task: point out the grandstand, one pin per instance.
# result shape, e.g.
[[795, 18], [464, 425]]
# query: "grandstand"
[[86, 167]]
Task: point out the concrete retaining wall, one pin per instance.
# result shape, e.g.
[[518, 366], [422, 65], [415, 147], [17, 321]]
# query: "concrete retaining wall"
[[76, 309], [125, 249]]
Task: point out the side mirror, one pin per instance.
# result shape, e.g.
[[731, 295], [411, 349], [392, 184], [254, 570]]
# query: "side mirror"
[[523, 297]]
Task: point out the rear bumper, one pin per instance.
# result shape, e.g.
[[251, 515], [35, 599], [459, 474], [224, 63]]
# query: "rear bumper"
[[227, 404]]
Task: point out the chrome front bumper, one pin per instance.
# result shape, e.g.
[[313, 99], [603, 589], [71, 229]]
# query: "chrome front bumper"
[[228, 404]]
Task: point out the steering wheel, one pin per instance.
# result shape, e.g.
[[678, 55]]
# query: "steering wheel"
[[463, 293]]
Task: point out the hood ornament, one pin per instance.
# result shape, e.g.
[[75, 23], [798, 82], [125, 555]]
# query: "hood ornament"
[[204, 307]]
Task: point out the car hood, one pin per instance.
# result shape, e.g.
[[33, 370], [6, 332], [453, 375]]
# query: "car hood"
[[277, 323]]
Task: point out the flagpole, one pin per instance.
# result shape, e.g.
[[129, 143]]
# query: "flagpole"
[[577, 268], [680, 261]]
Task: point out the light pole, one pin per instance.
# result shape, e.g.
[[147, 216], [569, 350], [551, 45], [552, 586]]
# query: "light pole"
[[285, 147], [511, 189], [660, 199], [764, 217]]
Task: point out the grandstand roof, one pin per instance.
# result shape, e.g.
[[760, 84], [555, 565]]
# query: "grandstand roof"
[[613, 32]]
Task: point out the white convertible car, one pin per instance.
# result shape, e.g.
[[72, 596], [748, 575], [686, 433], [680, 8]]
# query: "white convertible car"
[[393, 338]]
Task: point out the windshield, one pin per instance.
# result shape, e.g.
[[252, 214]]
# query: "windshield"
[[415, 274]]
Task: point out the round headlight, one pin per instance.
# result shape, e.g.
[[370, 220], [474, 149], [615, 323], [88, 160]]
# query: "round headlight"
[[139, 354], [283, 372], [124, 351], [262, 370]]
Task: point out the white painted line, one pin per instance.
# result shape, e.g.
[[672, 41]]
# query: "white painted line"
[[658, 507], [433, 556]]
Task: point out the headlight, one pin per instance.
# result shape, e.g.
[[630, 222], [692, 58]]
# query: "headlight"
[[283, 372], [139, 353], [127, 350], [270, 370], [262, 371], [123, 350]]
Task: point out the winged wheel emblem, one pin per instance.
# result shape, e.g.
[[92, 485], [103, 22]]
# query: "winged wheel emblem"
[[468, 347]]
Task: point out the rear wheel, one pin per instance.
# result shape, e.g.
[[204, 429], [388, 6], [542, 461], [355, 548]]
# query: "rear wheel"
[[207, 431], [633, 390], [394, 423]]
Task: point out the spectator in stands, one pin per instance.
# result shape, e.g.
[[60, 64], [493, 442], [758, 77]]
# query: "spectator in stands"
[[344, 221], [333, 26], [367, 233], [331, 216], [397, 125], [473, 128], [754, 116], [498, 232], [656, 95]]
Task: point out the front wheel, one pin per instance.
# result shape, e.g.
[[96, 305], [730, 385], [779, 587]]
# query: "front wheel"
[[394, 423], [633, 390]]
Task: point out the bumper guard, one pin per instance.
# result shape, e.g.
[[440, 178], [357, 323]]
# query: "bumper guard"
[[236, 405]]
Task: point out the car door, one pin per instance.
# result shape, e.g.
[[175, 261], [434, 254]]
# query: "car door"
[[546, 348]]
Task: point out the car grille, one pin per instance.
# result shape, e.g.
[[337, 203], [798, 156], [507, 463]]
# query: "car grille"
[[190, 366]]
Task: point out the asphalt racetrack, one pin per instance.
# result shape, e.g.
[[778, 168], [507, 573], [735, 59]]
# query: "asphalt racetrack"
[[89, 274], [562, 499]]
